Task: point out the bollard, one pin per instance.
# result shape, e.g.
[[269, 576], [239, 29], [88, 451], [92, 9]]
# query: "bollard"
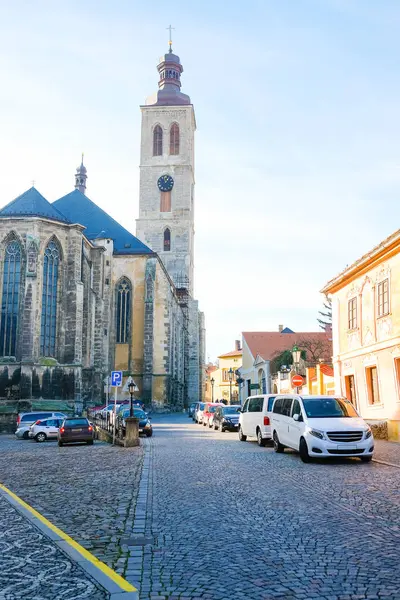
[[132, 432]]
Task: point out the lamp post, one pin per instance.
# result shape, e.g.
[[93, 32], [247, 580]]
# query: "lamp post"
[[131, 388], [239, 381], [212, 381], [296, 353], [230, 377]]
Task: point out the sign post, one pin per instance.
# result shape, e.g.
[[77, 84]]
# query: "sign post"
[[116, 382], [297, 382]]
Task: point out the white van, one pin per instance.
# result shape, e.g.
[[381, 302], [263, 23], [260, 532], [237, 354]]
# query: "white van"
[[255, 418], [321, 427]]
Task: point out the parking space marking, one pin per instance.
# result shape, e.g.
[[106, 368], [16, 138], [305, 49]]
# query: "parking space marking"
[[63, 538]]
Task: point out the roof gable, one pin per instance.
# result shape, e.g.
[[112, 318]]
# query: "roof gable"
[[32, 204], [80, 209]]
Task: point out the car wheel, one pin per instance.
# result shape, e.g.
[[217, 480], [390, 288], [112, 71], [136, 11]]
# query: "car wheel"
[[41, 437], [215, 427], [260, 440], [305, 457], [366, 458], [25, 435], [242, 437], [149, 433], [90, 443], [277, 445], [60, 443]]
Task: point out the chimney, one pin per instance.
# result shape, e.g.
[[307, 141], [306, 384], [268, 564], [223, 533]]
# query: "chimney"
[[237, 345], [280, 327]]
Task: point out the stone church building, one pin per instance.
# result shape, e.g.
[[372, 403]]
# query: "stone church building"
[[82, 296]]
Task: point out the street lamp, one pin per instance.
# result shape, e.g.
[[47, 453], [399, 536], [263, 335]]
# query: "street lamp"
[[230, 377], [239, 381], [131, 388], [212, 381]]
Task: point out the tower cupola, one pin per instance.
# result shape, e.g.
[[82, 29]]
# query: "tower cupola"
[[81, 177]]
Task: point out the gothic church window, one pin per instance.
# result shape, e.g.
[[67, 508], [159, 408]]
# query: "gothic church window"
[[174, 139], [167, 240], [123, 310], [51, 264], [157, 141], [10, 299]]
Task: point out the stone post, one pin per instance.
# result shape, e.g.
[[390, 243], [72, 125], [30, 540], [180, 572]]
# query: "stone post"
[[132, 432]]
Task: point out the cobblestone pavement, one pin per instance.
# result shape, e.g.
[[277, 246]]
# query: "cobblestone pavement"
[[87, 491], [217, 519], [230, 520], [387, 451], [32, 567]]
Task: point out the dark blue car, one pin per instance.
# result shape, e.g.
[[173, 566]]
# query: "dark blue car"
[[144, 421]]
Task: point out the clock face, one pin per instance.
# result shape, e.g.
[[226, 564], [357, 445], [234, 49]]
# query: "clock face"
[[165, 183]]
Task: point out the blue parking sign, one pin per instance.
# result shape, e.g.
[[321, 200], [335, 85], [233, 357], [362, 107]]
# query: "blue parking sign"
[[116, 378]]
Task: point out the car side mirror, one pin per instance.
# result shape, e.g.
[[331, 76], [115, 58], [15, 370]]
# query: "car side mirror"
[[239, 410], [297, 417]]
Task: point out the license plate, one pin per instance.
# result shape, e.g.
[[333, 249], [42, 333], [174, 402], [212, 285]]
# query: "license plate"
[[236, 424], [77, 430], [346, 447]]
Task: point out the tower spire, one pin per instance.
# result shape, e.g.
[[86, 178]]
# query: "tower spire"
[[81, 177], [170, 28]]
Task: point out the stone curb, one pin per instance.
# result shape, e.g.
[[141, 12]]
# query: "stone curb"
[[92, 569], [383, 462]]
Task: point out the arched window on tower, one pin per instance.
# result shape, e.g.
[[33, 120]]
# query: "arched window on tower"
[[157, 141], [167, 240], [124, 290], [10, 299], [48, 327], [174, 139]]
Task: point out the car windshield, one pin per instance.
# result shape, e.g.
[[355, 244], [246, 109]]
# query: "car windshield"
[[73, 422], [137, 412], [211, 409], [230, 410], [201, 406], [328, 408]]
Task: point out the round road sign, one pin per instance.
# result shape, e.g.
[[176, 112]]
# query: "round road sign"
[[297, 381]]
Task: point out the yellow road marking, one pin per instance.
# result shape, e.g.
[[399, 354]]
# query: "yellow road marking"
[[127, 587]]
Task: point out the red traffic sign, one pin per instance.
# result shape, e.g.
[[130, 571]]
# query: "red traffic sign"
[[297, 381]]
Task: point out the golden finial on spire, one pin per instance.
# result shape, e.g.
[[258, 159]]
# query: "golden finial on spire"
[[170, 28]]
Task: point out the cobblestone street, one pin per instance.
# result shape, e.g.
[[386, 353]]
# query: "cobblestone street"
[[219, 519]]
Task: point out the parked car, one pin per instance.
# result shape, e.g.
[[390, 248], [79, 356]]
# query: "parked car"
[[45, 429], [208, 413], [198, 412], [226, 418], [320, 426], [26, 419], [191, 410], [75, 429], [144, 420], [255, 418]]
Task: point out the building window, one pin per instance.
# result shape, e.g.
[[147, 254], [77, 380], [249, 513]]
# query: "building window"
[[157, 141], [123, 310], [174, 139], [10, 299], [383, 298], [165, 202], [167, 240], [372, 385], [353, 313], [48, 328]]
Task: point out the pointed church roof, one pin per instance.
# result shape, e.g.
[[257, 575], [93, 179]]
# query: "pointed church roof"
[[80, 209], [32, 204]]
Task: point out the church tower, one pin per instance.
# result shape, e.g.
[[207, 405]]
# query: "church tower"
[[166, 202]]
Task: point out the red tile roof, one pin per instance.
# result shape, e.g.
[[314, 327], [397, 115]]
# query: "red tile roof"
[[327, 370], [233, 353], [268, 344]]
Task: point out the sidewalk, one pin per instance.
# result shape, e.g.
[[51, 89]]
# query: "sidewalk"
[[40, 562], [388, 452]]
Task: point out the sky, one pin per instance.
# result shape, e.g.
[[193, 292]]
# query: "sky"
[[297, 143]]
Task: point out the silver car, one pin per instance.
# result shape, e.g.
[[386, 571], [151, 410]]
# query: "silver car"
[[46, 429], [25, 420]]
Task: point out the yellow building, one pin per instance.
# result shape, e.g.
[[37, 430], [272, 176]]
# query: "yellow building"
[[366, 334], [222, 388]]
